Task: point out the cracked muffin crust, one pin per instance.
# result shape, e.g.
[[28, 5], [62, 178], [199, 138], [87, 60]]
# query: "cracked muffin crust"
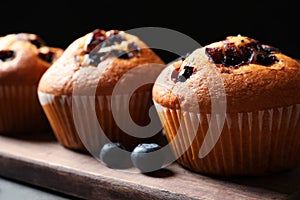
[[24, 57], [105, 56], [255, 76]]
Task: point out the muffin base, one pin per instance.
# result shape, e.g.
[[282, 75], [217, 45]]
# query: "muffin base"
[[21, 112], [80, 131], [251, 144]]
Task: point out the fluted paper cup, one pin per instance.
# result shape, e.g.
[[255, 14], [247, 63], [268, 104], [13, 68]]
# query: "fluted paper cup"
[[250, 144], [87, 122], [20, 111]]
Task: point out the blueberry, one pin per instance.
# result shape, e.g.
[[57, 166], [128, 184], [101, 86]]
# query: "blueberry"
[[146, 158], [265, 60], [48, 57], [115, 156], [6, 55], [185, 73]]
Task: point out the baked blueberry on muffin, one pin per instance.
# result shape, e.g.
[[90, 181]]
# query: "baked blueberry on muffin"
[[77, 92], [24, 57], [248, 125]]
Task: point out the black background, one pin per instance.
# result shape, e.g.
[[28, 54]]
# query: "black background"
[[61, 22]]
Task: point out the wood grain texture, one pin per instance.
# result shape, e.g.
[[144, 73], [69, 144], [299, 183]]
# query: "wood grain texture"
[[42, 161]]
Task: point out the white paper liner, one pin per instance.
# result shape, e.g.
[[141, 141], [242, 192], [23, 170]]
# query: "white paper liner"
[[89, 115], [21, 112], [251, 143]]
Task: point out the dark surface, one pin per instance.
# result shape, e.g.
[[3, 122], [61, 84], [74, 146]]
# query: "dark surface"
[[12, 189], [60, 22], [47, 164]]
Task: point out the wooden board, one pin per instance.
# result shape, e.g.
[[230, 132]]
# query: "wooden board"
[[44, 162]]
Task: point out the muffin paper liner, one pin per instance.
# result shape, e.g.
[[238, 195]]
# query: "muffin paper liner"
[[251, 143], [89, 124], [21, 112]]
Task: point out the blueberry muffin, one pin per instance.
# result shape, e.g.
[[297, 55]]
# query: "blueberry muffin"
[[231, 108], [24, 57], [79, 96]]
